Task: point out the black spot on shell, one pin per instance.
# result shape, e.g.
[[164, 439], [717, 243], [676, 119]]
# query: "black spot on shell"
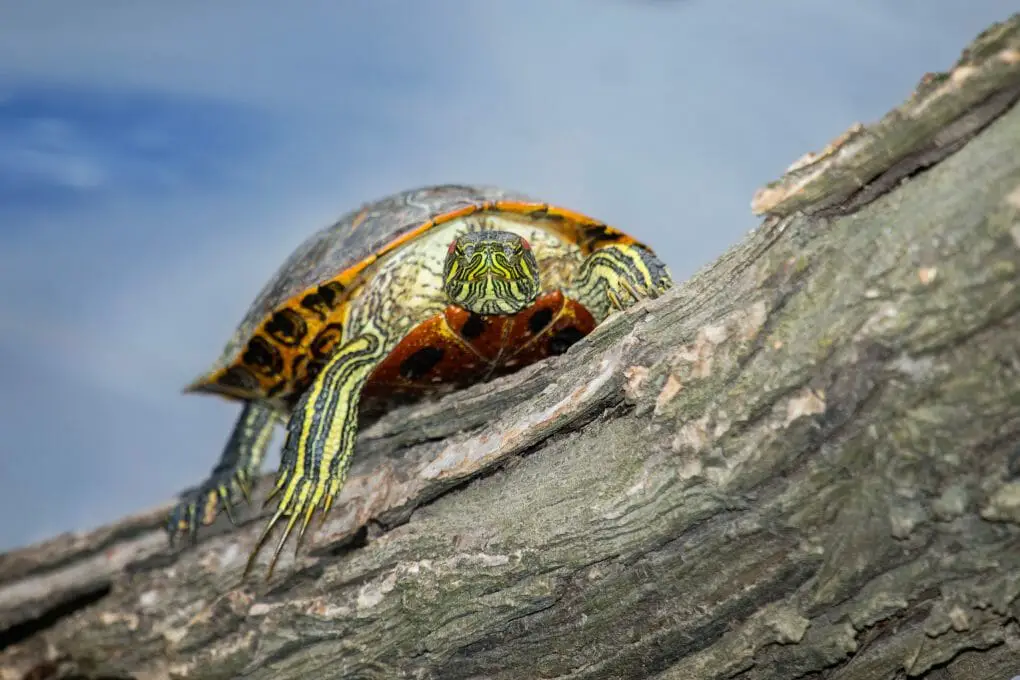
[[562, 339], [316, 303], [598, 234], [421, 362], [325, 298], [238, 377], [539, 320], [473, 327], [262, 357], [331, 293], [327, 341], [286, 327]]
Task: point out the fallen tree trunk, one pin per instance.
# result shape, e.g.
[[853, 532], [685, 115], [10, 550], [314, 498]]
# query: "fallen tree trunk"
[[803, 462]]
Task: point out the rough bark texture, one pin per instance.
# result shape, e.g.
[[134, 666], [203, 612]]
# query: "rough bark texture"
[[804, 462]]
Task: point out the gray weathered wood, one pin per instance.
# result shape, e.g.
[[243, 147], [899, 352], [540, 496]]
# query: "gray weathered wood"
[[803, 462]]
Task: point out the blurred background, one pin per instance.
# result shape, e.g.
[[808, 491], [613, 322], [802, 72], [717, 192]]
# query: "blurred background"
[[159, 160]]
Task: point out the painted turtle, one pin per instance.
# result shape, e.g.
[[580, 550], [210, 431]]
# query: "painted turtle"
[[420, 292]]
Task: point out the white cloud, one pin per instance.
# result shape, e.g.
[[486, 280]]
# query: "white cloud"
[[54, 167]]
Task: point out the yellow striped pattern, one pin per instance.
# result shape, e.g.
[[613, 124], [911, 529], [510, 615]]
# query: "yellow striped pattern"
[[320, 441], [616, 277], [491, 272]]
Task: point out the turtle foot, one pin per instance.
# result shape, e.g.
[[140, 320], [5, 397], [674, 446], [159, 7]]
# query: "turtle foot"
[[200, 505], [232, 477], [617, 277]]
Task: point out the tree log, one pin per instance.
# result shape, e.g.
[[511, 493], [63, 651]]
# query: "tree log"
[[803, 462]]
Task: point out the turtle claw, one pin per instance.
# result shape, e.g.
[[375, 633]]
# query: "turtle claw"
[[630, 293], [233, 477], [302, 497], [200, 505]]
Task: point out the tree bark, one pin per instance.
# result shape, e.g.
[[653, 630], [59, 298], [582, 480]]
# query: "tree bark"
[[803, 462]]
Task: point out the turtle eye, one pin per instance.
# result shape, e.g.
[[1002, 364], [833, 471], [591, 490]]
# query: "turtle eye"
[[508, 250], [469, 251]]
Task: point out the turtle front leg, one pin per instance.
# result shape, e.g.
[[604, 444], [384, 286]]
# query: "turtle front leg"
[[233, 475], [617, 276], [320, 440]]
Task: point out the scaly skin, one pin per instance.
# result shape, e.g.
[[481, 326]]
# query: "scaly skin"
[[233, 475], [486, 272], [616, 277], [320, 438], [491, 272]]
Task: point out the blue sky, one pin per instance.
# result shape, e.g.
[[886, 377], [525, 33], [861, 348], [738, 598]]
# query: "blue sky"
[[158, 160]]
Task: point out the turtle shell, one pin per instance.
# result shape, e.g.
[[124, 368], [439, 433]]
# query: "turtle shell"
[[292, 313]]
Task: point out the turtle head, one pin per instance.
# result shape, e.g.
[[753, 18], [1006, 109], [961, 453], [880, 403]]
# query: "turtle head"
[[491, 272]]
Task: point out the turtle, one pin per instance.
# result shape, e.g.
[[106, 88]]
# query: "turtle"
[[413, 295]]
